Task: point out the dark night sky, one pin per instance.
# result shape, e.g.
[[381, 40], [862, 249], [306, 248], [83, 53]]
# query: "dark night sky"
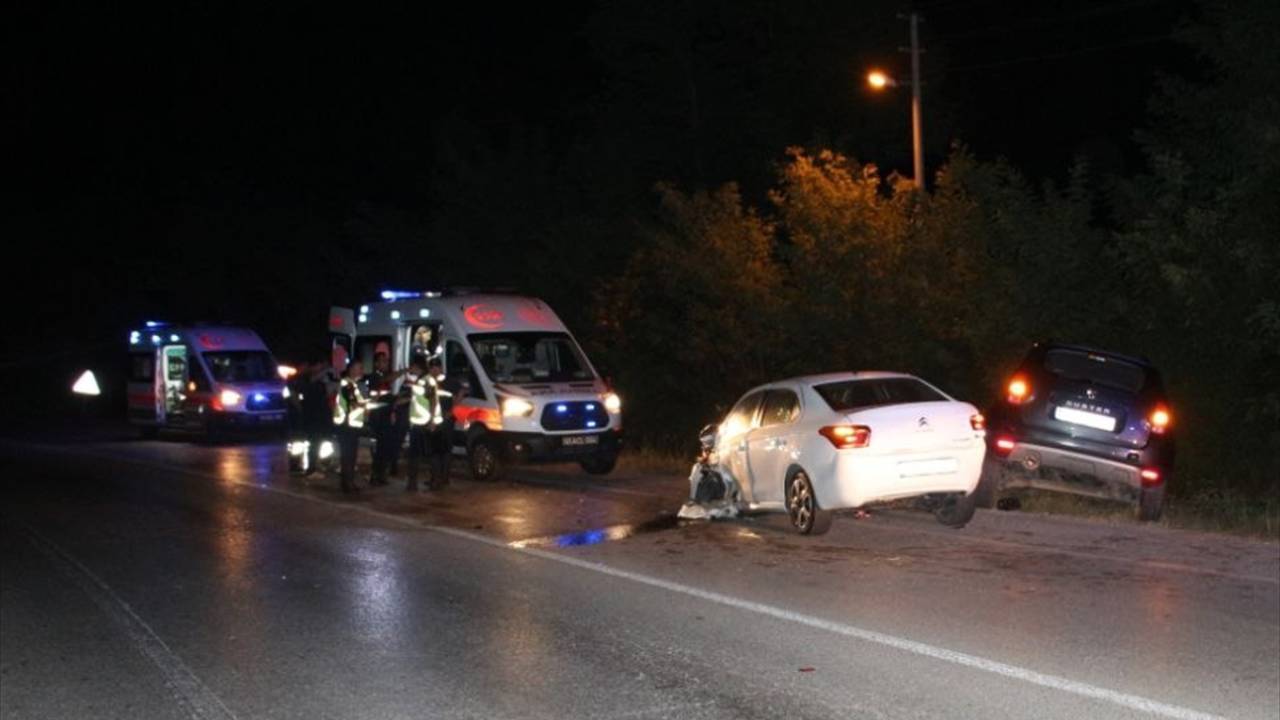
[[179, 134]]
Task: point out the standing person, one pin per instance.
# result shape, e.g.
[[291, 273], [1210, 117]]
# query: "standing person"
[[314, 397], [380, 416], [348, 416], [400, 415], [448, 390], [424, 415]]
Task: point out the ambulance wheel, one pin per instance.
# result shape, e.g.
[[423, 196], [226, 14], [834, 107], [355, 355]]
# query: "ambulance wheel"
[[601, 464], [486, 463]]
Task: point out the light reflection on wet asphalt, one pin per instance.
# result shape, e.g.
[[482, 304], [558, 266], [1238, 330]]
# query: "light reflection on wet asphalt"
[[1045, 594]]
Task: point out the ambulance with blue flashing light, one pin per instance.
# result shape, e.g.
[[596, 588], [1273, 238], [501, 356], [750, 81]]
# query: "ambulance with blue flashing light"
[[531, 394], [202, 378]]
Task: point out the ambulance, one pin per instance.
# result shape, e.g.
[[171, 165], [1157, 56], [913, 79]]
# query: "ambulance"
[[202, 378], [531, 394]]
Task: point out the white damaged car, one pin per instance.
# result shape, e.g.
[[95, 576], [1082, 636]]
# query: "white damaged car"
[[814, 444]]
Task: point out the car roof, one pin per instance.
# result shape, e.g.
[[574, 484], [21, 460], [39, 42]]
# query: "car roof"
[[822, 378], [1135, 359]]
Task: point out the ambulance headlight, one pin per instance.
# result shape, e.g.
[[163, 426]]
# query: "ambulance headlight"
[[285, 393], [612, 402], [326, 450], [298, 447], [229, 398], [516, 407]]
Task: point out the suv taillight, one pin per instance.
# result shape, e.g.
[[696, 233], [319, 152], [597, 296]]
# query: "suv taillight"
[[1018, 391], [847, 436], [1160, 420], [1004, 445]]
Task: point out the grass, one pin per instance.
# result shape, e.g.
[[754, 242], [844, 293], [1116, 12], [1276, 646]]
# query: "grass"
[[1211, 510]]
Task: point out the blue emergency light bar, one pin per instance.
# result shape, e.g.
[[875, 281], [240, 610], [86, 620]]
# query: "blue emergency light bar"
[[399, 294], [155, 324]]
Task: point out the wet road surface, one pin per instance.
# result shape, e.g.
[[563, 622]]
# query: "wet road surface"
[[167, 579]]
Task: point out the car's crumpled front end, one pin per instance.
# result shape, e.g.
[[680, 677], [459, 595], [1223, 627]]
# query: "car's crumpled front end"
[[713, 494]]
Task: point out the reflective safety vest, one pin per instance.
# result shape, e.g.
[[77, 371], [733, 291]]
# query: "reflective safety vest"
[[350, 405], [425, 407]]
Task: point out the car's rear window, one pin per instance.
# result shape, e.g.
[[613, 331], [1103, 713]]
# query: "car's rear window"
[[1087, 367], [850, 395]]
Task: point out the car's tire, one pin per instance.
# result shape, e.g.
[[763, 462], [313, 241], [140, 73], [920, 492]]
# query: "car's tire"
[[987, 492], [486, 463], [807, 517], [1151, 503], [956, 510], [601, 464]]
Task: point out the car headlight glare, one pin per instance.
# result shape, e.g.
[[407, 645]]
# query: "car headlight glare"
[[612, 402], [516, 407]]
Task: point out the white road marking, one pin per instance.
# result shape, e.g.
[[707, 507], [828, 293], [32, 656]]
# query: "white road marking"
[[194, 696], [1014, 672]]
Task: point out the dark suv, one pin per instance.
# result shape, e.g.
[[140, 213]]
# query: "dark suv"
[[1084, 421]]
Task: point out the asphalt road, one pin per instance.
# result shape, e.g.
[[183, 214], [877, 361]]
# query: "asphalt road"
[[170, 580]]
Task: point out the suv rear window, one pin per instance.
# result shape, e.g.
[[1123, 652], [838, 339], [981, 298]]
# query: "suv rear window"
[[850, 395], [1087, 367]]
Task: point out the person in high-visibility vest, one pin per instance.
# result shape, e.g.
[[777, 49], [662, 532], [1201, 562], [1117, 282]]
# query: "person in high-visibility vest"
[[349, 410], [448, 391], [424, 416]]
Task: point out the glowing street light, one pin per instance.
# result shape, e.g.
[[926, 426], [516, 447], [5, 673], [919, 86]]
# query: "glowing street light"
[[878, 80]]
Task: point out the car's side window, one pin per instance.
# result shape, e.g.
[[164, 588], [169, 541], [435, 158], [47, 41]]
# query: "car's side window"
[[743, 415], [780, 408]]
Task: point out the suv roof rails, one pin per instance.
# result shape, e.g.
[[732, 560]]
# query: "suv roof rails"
[[1139, 359]]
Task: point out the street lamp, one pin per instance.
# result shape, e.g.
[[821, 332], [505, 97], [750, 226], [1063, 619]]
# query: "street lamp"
[[879, 80]]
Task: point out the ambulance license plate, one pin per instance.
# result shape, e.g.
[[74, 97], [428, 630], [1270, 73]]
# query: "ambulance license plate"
[[573, 440]]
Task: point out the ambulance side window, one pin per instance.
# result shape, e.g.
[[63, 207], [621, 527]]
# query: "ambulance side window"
[[197, 379], [457, 364], [142, 367]]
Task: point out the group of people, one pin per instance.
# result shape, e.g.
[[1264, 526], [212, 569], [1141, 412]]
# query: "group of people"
[[415, 402]]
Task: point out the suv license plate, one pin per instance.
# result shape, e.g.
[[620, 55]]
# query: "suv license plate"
[[1082, 417], [581, 440]]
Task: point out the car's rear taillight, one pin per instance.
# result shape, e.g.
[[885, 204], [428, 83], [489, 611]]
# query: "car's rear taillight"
[[1160, 420], [1004, 446], [847, 436], [1150, 476], [1018, 391], [978, 422]]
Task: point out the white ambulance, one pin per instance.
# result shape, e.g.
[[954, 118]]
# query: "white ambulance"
[[531, 394], [202, 378]]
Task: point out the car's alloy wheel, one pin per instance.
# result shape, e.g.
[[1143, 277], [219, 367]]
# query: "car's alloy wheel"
[[802, 506]]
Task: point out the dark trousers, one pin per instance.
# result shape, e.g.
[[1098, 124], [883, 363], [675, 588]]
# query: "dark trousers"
[[348, 448], [419, 450], [399, 429], [441, 453], [383, 437]]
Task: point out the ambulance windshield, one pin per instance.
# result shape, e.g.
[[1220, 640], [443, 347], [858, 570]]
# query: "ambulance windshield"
[[528, 357], [241, 366]]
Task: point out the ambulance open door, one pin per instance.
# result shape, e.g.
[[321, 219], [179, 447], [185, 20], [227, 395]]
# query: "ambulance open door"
[[342, 336]]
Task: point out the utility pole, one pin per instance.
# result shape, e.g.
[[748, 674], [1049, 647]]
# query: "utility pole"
[[917, 141]]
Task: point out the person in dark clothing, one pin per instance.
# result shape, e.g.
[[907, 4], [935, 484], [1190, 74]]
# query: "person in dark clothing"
[[451, 389], [380, 416], [314, 395], [349, 411]]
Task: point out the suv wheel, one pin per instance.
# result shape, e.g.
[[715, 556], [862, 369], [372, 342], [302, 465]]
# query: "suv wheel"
[[1151, 503], [988, 490]]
